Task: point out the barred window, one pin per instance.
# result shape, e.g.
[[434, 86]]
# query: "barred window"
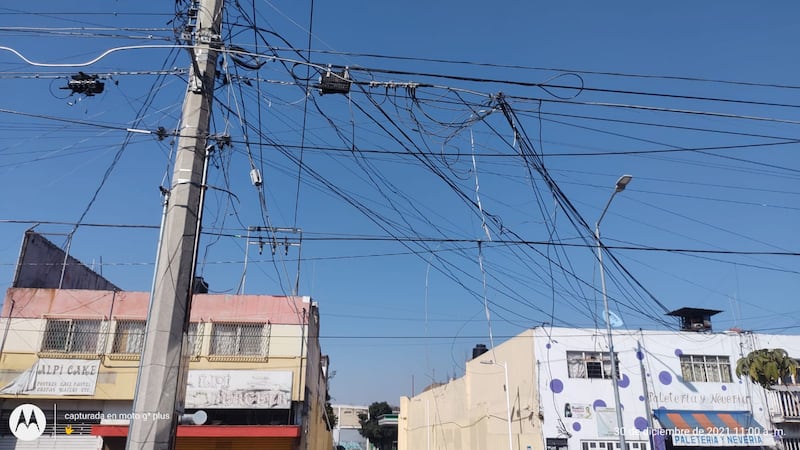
[[589, 364], [194, 339], [703, 368], [235, 339], [129, 337], [71, 336], [612, 445]]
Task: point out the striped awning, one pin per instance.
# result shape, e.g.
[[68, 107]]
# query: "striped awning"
[[730, 421]]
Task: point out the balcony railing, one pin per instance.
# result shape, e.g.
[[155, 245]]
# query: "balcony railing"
[[784, 406], [791, 444]]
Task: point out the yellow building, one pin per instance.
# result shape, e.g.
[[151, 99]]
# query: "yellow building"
[[472, 412], [256, 370]]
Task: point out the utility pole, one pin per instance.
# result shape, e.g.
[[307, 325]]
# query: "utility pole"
[[161, 383]]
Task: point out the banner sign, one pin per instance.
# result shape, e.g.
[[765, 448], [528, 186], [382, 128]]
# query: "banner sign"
[[57, 377], [607, 422], [578, 410], [682, 400], [236, 389]]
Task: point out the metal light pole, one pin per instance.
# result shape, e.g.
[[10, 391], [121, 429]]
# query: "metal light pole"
[[508, 399], [621, 183]]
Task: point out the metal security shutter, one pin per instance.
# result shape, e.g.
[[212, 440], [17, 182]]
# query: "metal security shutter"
[[235, 444], [50, 443]]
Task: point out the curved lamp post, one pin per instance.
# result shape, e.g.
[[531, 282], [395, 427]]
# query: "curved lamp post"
[[622, 182]]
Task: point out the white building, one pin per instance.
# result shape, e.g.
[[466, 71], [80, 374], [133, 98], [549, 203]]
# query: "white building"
[[677, 389], [346, 432]]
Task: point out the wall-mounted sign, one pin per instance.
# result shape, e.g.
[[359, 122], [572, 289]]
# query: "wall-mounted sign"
[[706, 400], [578, 410], [56, 377], [607, 425], [723, 440], [229, 389]]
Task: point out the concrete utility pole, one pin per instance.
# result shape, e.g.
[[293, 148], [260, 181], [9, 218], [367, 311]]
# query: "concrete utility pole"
[[161, 385]]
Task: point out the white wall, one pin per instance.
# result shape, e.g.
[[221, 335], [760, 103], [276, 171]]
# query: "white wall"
[[658, 364]]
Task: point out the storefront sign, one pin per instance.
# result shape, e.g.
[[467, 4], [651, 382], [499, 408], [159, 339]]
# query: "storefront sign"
[[723, 440], [57, 377], [699, 400], [234, 389]]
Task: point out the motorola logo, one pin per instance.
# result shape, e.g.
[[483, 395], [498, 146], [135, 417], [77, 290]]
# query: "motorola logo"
[[27, 422]]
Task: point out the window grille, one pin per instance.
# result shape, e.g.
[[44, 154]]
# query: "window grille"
[[589, 364], [71, 336], [612, 445], [237, 339], [129, 337], [194, 338], [706, 368]]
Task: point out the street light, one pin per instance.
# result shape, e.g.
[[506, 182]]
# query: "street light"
[[508, 399], [620, 186]]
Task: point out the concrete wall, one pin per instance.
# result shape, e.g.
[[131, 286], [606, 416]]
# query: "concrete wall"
[[348, 415], [317, 435], [471, 412], [30, 309], [38, 303], [41, 263]]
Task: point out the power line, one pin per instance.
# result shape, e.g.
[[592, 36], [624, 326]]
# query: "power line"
[[86, 225], [546, 85], [16, 12], [557, 69], [101, 75], [662, 109]]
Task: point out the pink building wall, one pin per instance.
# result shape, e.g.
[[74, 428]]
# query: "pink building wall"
[[67, 303]]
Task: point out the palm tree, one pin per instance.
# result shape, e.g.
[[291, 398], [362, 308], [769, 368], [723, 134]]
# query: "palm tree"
[[767, 367]]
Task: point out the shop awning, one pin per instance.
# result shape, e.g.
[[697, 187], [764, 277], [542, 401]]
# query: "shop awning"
[[741, 422]]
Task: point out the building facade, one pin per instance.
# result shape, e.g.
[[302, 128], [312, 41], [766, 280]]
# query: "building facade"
[[472, 412], [256, 374], [677, 390], [346, 433]]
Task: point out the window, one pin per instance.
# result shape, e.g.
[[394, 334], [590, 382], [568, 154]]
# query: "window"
[[557, 444], [589, 364], [71, 336], [236, 339], [609, 445], [702, 368], [129, 337], [194, 339]]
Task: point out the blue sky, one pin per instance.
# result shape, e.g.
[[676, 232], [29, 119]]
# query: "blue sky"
[[388, 202]]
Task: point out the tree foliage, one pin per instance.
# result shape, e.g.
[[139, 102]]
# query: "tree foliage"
[[380, 437], [333, 419], [766, 367]]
